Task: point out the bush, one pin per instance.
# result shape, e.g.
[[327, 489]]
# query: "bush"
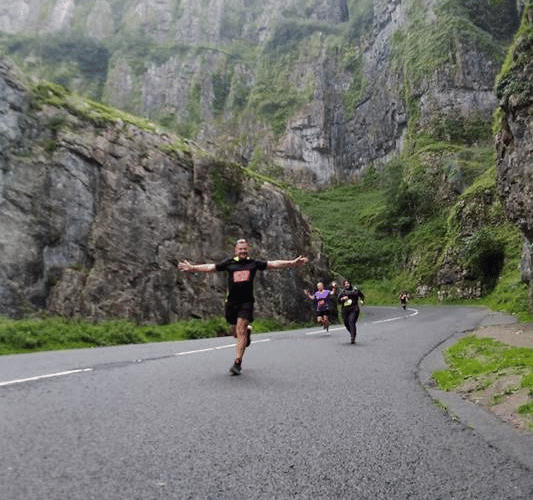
[[456, 128], [199, 329]]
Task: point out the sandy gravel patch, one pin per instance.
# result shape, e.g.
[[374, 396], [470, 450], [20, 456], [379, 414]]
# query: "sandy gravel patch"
[[519, 335]]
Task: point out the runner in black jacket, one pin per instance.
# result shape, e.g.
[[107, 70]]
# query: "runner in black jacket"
[[349, 299]]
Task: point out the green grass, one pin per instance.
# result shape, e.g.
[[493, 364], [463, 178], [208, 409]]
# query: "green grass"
[[94, 112], [54, 333], [345, 217], [484, 359]]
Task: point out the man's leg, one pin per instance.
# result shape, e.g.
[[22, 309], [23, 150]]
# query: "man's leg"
[[240, 338], [345, 317], [353, 322], [245, 316]]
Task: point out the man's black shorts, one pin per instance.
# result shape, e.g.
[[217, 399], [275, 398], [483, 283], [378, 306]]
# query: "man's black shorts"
[[236, 310]]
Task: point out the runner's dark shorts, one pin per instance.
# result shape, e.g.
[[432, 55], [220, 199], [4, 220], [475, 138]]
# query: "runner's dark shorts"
[[236, 310], [325, 312]]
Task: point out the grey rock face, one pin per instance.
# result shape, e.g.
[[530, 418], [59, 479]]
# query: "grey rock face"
[[94, 214], [323, 141], [514, 144]]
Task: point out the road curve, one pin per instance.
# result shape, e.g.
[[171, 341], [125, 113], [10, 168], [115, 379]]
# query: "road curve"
[[311, 417]]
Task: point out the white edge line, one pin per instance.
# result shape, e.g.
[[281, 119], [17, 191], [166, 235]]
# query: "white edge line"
[[40, 377]]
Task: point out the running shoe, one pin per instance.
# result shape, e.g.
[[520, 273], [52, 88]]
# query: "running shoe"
[[249, 336], [235, 369]]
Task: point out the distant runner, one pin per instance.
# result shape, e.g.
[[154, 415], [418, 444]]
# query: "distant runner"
[[241, 270]]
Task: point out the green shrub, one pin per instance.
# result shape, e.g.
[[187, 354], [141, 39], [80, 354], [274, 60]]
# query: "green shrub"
[[526, 409], [198, 329]]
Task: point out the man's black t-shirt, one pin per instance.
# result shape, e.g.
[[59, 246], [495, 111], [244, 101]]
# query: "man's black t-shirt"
[[241, 274]]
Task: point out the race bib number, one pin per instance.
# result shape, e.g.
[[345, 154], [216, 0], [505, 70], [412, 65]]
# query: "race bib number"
[[240, 276], [347, 302]]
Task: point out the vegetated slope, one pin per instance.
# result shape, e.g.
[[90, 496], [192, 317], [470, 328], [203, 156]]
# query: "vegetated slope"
[[430, 222]]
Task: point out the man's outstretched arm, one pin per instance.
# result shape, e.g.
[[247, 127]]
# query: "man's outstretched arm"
[[283, 264], [186, 266]]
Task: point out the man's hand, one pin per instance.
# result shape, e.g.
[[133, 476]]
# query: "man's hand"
[[300, 261], [184, 266]]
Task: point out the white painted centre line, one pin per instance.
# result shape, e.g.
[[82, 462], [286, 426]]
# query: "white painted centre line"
[[185, 353], [377, 322], [71, 372]]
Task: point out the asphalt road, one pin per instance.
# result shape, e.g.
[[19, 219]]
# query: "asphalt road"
[[311, 417]]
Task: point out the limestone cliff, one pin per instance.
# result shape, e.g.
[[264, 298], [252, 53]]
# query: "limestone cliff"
[[95, 209], [321, 89], [514, 141]]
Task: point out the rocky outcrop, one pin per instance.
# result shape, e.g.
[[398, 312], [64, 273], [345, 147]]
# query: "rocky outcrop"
[[514, 141], [95, 210]]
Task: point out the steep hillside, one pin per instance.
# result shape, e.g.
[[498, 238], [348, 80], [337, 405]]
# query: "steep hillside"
[[409, 229]]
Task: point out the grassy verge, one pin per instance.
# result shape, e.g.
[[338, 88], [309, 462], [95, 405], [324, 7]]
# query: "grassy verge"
[[48, 334], [482, 361]]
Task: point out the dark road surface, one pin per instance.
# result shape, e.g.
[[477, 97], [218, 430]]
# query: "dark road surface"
[[311, 417]]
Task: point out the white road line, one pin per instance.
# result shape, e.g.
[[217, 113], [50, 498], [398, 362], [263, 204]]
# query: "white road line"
[[324, 332], [193, 352], [185, 353], [40, 377], [71, 372], [415, 312]]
